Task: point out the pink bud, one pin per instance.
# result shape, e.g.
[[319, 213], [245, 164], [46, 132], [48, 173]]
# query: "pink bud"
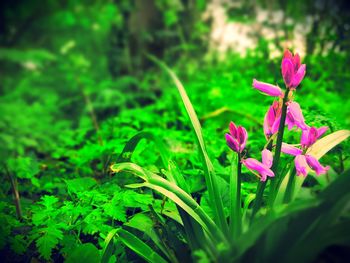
[[287, 71], [237, 138], [267, 88], [232, 143], [272, 119], [292, 70]]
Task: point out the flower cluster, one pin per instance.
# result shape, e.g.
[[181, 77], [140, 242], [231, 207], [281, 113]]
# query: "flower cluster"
[[293, 73], [236, 139]]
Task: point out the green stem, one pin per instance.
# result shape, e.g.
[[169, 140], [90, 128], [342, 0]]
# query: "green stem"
[[261, 186], [274, 181], [290, 187], [237, 213], [258, 199]]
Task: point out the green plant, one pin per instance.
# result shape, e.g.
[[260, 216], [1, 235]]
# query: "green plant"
[[222, 240]]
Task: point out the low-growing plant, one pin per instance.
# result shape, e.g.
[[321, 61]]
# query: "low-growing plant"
[[262, 227]]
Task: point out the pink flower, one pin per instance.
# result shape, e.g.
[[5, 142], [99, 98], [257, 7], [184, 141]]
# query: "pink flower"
[[267, 88], [303, 161], [272, 119], [295, 116], [263, 169], [315, 165], [292, 72], [237, 138], [310, 135]]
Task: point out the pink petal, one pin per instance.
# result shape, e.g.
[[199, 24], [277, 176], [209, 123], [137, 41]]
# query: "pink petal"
[[267, 158], [313, 135], [287, 54], [296, 115], [233, 129], [315, 165], [232, 143], [272, 119], [276, 125], [263, 170], [242, 137], [287, 71], [296, 62], [299, 75], [304, 138], [267, 88], [321, 131], [290, 121], [291, 150], [301, 165], [267, 129]]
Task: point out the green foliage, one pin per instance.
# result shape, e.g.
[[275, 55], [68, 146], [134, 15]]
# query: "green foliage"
[[78, 96]]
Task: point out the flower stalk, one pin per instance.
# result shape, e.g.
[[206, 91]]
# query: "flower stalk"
[[277, 156]]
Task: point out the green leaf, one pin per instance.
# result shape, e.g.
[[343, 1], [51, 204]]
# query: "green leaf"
[[80, 184], [210, 177], [117, 212], [177, 195], [48, 240], [140, 247], [48, 201], [86, 253]]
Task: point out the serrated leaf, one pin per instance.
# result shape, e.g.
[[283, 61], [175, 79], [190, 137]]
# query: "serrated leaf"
[[48, 201], [134, 199], [50, 237], [80, 184], [117, 212]]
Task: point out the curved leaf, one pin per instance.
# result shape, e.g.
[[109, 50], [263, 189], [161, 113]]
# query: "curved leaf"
[[139, 247]]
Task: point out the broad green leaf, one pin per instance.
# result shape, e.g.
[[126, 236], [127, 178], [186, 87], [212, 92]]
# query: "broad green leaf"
[[86, 253]]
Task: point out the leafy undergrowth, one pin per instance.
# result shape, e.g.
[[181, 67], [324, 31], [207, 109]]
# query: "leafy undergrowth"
[[60, 159]]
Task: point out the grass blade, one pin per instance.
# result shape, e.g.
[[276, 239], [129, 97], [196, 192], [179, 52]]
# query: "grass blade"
[[139, 247], [210, 177]]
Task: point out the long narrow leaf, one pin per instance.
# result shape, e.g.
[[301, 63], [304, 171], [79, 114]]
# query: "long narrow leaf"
[[140, 247], [210, 178], [176, 194]]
